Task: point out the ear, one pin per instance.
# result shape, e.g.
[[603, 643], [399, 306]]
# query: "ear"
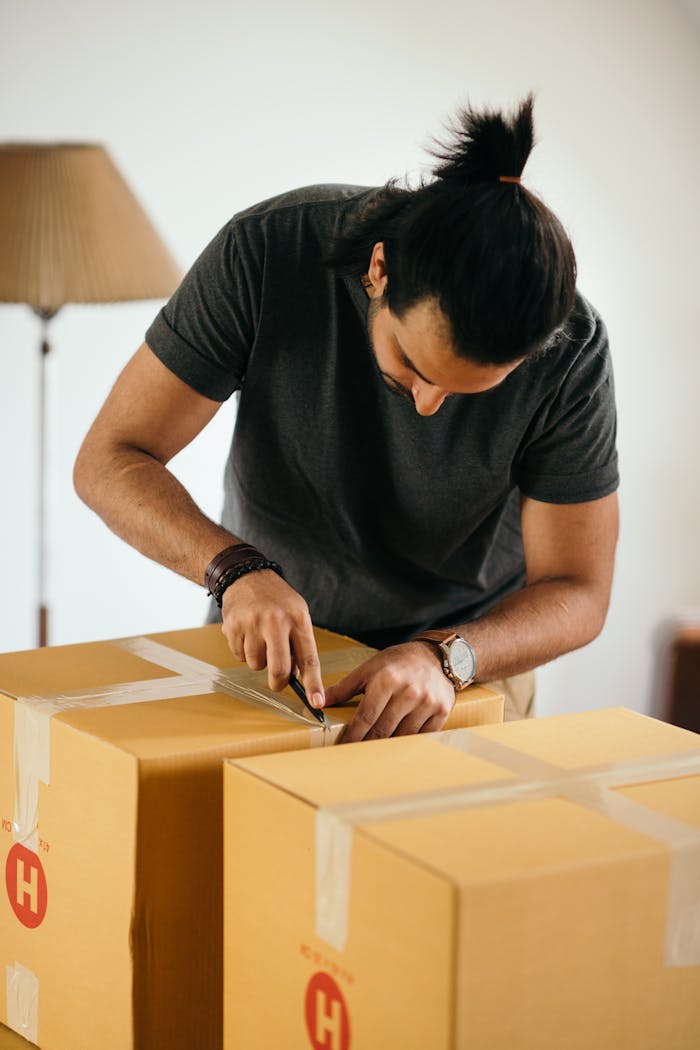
[[376, 271]]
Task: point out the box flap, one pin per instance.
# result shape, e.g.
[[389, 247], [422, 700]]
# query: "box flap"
[[374, 769], [585, 738], [493, 839], [167, 693]]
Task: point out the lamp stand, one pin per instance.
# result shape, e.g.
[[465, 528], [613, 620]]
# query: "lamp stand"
[[44, 349]]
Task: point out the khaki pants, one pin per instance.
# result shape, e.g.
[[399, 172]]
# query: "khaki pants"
[[519, 691]]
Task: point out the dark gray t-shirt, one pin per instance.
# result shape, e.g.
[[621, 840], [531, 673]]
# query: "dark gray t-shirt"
[[385, 521]]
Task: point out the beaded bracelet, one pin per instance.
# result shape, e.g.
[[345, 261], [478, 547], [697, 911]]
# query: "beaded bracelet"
[[235, 573]]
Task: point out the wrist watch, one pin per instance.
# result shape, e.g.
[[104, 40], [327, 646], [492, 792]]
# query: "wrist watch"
[[457, 656]]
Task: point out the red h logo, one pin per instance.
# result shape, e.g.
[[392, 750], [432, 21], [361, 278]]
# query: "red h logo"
[[26, 885], [327, 1020]]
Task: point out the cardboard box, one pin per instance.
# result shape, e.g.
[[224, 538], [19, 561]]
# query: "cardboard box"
[[110, 829], [9, 1040], [527, 886]]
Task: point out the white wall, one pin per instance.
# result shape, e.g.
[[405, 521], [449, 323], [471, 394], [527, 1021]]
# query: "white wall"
[[209, 107]]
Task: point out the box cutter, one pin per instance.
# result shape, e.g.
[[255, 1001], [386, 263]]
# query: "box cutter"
[[301, 693]]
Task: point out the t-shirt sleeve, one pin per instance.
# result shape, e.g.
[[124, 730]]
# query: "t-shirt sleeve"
[[205, 332], [572, 456]]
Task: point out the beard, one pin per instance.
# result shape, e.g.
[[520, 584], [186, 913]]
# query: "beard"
[[376, 305]]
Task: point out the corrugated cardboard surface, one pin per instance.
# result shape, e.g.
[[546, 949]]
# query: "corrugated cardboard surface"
[[129, 837], [532, 923]]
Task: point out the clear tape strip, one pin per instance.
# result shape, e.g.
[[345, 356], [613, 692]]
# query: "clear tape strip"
[[333, 661], [162, 655], [120, 694], [333, 855], [32, 756], [22, 991], [191, 677], [534, 779]]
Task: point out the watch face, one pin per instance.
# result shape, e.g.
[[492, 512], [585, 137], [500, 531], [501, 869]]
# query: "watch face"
[[462, 660]]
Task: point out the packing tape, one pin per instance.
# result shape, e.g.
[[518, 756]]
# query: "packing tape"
[[22, 1001], [588, 786], [192, 677], [333, 661], [333, 862]]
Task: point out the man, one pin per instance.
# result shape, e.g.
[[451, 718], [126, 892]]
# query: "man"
[[425, 437]]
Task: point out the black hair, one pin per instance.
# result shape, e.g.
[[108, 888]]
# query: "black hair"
[[492, 255]]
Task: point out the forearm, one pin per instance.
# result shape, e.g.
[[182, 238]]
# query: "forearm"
[[535, 625], [141, 501]]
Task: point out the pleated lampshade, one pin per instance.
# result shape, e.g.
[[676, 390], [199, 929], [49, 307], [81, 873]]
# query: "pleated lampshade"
[[71, 230]]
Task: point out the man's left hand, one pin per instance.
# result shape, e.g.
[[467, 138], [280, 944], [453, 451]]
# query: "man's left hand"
[[405, 691]]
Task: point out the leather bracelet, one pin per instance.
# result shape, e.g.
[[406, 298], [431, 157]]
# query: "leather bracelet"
[[235, 573], [227, 559]]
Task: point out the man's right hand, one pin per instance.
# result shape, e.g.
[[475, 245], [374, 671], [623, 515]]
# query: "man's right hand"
[[267, 624]]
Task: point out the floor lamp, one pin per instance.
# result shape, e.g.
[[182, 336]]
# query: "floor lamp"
[[71, 231]]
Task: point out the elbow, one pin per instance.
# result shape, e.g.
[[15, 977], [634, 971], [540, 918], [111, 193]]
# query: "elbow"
[[101, 467], [584, 607], [81, 476], [87, 471], [596, 613], [594, 629]]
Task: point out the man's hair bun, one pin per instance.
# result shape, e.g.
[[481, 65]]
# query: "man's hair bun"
[[484, 145]]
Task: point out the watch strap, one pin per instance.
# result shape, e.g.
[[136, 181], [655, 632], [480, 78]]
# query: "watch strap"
[[439, 637]]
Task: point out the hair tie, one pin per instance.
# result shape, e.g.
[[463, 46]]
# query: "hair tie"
[[509, 178]]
